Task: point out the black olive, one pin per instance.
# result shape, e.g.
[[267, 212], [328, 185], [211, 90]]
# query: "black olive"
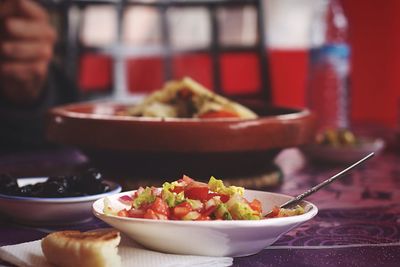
[[26, 190], [37, 189], [74, 182], [54, 189], [89, 182], [62, 180], [92, 175], [8, 184]]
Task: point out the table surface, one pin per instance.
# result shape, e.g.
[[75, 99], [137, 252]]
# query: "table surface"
[[358, 223]]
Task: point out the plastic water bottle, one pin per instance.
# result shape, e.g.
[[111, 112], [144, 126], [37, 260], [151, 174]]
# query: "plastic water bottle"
[[328, 84]]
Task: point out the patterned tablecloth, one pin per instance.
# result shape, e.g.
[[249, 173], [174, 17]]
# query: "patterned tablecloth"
[[358, 223]]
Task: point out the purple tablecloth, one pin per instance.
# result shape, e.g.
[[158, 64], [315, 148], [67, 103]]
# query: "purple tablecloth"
[[358, 223]]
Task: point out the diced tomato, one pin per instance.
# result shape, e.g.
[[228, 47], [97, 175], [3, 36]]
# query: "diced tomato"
[[197, 190], [208, 211], [177, 189], [224, 198], [160, 206], [273, 213], [136, 213], [145, 206], [181, 210], [150, 214], [219, 114], [256, 205]]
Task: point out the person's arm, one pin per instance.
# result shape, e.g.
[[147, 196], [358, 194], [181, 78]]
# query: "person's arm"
[[29, 83], [26, 49]]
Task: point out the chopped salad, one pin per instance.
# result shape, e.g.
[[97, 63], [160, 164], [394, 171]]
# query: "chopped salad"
[[187, 98], [188, 199]]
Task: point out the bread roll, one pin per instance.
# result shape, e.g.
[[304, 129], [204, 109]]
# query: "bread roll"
[[86, 249]]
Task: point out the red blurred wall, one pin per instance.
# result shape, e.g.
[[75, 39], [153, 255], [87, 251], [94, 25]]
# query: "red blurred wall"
[[375, 40]]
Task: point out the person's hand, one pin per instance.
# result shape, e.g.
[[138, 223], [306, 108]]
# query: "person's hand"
[[26, 48]]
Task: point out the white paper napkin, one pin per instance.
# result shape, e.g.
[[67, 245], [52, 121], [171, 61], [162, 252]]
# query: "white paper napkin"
[[30, 255]]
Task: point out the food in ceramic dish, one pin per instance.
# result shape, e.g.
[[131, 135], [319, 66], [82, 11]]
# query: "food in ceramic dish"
[[233, 238], [131, 146], [337, 137], [73, 248], [50, 210], [89, 182], [342, 146], [189, 99], [190, 200]]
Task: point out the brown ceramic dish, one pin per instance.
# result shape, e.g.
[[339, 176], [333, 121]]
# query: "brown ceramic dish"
[[201, 147]]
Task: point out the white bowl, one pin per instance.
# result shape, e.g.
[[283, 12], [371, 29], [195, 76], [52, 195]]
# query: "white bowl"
[[208, 238], [344, 154], [50, 211]]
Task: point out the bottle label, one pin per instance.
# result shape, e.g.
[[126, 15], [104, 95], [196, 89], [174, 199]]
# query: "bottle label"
[[341, 51]]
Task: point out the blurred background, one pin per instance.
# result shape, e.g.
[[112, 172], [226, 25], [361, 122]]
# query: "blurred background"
[[112, 48]]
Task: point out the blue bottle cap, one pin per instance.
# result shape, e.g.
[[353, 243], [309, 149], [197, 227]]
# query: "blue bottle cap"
[[338, 50]]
